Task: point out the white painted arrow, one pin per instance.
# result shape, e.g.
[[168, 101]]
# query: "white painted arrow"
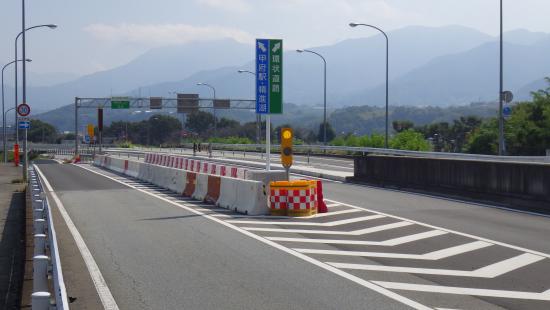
[[491, 271], [301, 223], [436, 255], [464, 291], [359, 232], [389, 242]]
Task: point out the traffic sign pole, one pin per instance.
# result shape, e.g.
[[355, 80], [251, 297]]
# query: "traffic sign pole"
[[268, 142]]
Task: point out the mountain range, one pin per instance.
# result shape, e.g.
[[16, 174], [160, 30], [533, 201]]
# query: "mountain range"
[[429, 66]]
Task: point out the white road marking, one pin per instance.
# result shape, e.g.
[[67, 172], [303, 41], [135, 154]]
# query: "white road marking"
[[332, 205], [435, 255], [545, 296], [348, 276], [101, 287], [272, 217], [390, 242], [491, 271], [510, 246], [358, 232], [327, 224]]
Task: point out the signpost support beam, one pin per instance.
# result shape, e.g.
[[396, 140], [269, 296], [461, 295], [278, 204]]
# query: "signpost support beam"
[[268, 142], [76, 127]]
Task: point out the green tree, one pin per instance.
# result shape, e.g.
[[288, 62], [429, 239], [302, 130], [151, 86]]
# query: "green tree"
[[410, 140], [400, 126], [41, 132], [200, 122], [484, 140], [330, 133]]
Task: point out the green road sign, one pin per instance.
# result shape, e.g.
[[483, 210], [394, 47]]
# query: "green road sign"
[[120, 103], [276, 76], [269, 76]]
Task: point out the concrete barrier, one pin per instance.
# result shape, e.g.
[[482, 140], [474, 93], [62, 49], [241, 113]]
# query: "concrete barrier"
[[190, 184], [213, 192], [228, 193], [245, 196], [522, 186], [201, 187], [251, 198]]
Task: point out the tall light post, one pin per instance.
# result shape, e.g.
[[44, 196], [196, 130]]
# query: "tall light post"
[[324, 94], [51, 26], [3, 110], [387, 73], [213, 107], [5, 135], [501, 148], [258, 116]]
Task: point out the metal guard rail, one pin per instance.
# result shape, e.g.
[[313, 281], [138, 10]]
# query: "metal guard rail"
[[60, 292]]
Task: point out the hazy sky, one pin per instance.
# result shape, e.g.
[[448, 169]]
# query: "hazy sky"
[[100, 34]]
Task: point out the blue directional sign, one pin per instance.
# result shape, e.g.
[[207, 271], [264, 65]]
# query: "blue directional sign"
[[506, 112], [269, 76], [24, 124]]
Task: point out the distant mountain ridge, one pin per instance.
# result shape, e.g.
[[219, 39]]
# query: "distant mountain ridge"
[[428, 66]]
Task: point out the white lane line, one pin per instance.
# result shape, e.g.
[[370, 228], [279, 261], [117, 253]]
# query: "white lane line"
[[491, 271], [358, 232], [545, 296], [436, 255], [327, 224], [507, 245], [389, 242], [365, 283], [272, 217], [101, 287], [332, 205]]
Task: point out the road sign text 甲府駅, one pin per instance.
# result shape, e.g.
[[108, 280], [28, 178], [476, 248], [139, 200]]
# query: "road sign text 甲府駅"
[[269, 76]]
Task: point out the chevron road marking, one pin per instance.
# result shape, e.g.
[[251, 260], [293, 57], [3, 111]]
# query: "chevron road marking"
[[328, 224], [272, 217], [390, 242], [436, 255], [491, 271], [545, 296], [359, 232]]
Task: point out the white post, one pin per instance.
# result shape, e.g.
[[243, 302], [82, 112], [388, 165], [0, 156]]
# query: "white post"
[[40, 301], [39, 244], [39, 226], [268, 142], [40, 273]]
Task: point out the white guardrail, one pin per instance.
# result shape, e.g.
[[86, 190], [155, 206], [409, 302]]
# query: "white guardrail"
[[45, 243], [321, 150]]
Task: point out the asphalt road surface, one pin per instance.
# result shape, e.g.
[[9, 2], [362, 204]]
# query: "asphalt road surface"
[[375, 249]]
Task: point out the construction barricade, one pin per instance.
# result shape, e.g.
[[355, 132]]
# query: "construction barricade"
[[293, 198]]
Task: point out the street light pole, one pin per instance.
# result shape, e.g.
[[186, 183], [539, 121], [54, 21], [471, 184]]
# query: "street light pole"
[[213, 107], [501, 148], [5, 135], [387, 74], [324, 95], [51, 26], [258, 116], [3, 110]]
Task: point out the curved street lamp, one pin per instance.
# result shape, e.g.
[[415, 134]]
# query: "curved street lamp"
[[51, 26], [324, 95], [5, 112], [387, 72], [213, 108]]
